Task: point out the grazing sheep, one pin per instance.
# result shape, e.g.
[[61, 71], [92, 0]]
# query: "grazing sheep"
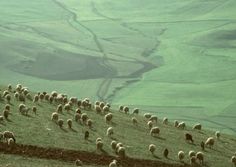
[[77, 117], [16, 95], [165, 153], [153, 118], [217, 134], [54, 94], [110, 131], [73, 100], [150, 124], [121, 152], [197, 127], [10, 142], [84, 117], [5, 93], [200, 157], [147, 115], [59, 108], [106, 109], [7, 107], [9, 88], [97, 103], [54, 116], [60, 123], [155, 131], [28, 96], [41, 96], [210, 142], [126, 109], [181, 155], [135, 111], [78, 111], [18, 87], [189, 137], [51, 99], [152, 148], [113, 144], [121, 108], [78, 162], [8, 98], [7, 135], [67, 107], [86, 135], [165, 121], [108, 117], [69, 123], [102, 104], [21, 98], [191, 154], [193, 160], [233, 160], [113, 163], [202, 144], [89, 123], [34, 109], [36, 99], [47, 97], [25, 111], [98, 139], [79, 103], [181, 125], [21, 107], [65, 100], [99, 145], [6, 114], [98, 109], [134, 120]]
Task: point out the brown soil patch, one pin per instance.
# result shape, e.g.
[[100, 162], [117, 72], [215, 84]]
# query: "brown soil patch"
[[72, 155]]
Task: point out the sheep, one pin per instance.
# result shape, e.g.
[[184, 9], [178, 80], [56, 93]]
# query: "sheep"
[[41, 96], [67, 107], [78, 111], [121, 108], [110, 131], [98, 109], [193, 160], [78, 162], [150, 124], [86, 135], [54, 116], [84, 117], [97, 103], [54, 94], [155, 131], [106, 109], [165, 121], [21, 107], [47, 97], [8, 98], [64, 100], [60, 123], [99, 145], [7, 135], [69, 123], [108, 117], [9, 87], [5, 93], [217, 134], [126, 109], [200, 157], [202, 144], [98, 139], [89, 123], [51, 99], [176, 123], [77, 117], [153, 118], [152, 148], [121, 152], [10, 142], [191, 154], [18, 87], [135, 111], [189, 137], [113, 163], [210, 142], [233, 159], [113, 144], [59, 108], [102, 104], [28, 96], [34, 109], [73, 100], [181, 155], [7, 107], [21, 98], [6, 114], [36, 99], [147, 115], [197, 126], [25, 111], [16, 95], [181, 125], [165, 153], [134, 120]]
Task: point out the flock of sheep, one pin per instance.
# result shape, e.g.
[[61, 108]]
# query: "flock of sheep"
[[62, 102]]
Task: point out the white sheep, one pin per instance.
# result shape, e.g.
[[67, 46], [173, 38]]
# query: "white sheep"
[[108, 117], [217, 134], [84, 117], [147, 115], [233, 159], [54, 116], [155, 131], [135, 111], [193, 160], [197, 126], [98, 109], [77, 117], [1, 118], [121, 152], [191, 153], [78, 162], [200, 157], [176, 123], [69, 123], [134, 120], [153, 118], [165, 121], [150, 124], [181, 155], [10, 141], [126, 109], [152, 148], [106, 109], [89, 123], [210, 142], [181, 125], [113, 144], [99, 145], [7, 135], [113, 163], [98, 139], [110, 131], [60, 122]]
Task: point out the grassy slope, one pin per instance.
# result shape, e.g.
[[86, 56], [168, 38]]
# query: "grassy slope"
[[40, 130], [195, 53]]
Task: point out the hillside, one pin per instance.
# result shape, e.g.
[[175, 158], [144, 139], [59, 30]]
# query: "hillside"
[[37, 136]]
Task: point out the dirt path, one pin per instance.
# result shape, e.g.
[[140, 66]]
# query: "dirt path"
[[72, 155]]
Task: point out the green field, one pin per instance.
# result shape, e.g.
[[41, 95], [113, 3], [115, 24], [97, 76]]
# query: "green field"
[[175, 58]]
